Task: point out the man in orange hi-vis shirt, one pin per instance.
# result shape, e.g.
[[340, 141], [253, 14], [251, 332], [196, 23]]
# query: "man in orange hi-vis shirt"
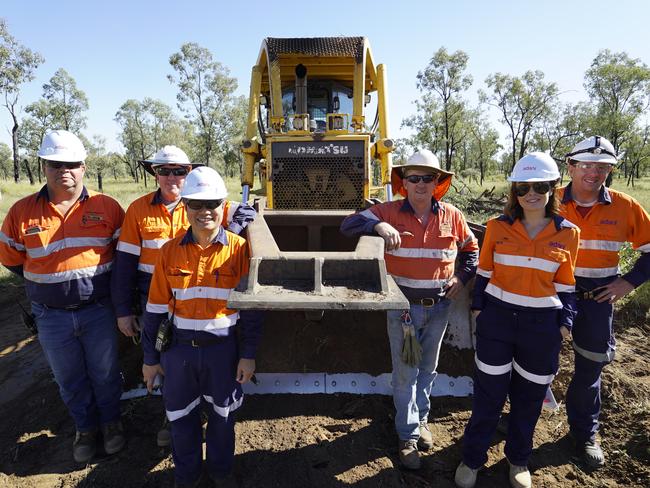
[[61, 240], [607, 219], [150, 221], [423, 236], [212, 350]]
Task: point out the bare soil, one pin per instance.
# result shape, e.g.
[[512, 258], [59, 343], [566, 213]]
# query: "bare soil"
[[312, 440]]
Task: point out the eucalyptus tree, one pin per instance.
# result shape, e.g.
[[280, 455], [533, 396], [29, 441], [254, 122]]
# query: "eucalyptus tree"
[[67, 102], [205, 90], [523, 102], [18, 66]]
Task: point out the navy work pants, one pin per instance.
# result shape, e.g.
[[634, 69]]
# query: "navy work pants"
[[196, 375], [517, 355], [594, 346]]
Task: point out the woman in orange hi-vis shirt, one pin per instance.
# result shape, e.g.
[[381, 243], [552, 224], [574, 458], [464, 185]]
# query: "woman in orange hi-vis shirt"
[[524, 303]]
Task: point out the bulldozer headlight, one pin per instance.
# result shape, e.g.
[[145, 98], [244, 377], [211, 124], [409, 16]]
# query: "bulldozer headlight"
[[337, 123], [298, 123]]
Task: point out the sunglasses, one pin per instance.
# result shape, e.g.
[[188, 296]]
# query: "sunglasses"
[[541, 187], [61, 164], [415, 179], [199, 204], [172, 171], [599, 167]]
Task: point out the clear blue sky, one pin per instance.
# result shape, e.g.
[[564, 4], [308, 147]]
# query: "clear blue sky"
[[119, 49]]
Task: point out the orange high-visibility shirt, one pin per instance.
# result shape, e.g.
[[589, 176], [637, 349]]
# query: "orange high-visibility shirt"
[[65, 260], [529, 272], [615, 219], [200, 279]]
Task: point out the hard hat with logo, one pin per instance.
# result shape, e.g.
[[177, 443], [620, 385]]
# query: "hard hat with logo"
[[423, 160], [594, 149], [204, 183], [62, 145], [535, 166]]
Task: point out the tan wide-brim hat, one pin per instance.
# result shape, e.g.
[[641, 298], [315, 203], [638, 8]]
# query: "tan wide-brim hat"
[[424, 160]]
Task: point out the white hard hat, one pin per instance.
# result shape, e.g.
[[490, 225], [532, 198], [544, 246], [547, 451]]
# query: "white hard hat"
[[422, 159], [535, 166], [204, 183], [594, 149], [62, 145], [169, 155]]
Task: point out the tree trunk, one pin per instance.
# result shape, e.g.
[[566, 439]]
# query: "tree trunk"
[[100, 182], [14, 143], [29, 172]]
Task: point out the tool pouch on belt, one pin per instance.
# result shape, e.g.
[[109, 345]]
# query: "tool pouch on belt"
[[411, 349], [28, 320], [165, 329]]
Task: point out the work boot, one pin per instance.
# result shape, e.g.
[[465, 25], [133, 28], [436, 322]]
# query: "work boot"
[[113, 437], [164, 436], [425, 442], [519, 476], [465, 476], [591, 454], [84, 446], [408, 454]]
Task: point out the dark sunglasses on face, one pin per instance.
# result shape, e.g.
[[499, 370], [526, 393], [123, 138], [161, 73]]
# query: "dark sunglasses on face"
[[173, 171], [415, 179], [61, 164], [199, 204], [541, 187]]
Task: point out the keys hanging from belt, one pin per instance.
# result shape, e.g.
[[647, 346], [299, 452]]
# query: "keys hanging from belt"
[[411, 348]]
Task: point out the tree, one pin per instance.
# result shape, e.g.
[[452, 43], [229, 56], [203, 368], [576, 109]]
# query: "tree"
[[440, 123], [67, 102], [37, 123], [97, 161], [483, 142], [523, 102], [204, 93], [5, 160], [18, 66]]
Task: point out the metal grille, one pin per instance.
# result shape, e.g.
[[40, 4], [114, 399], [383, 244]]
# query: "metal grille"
[[316, 46], [318, 182]]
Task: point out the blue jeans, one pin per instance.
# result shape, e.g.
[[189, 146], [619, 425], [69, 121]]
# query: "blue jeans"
[[81, 349], [412, 385]]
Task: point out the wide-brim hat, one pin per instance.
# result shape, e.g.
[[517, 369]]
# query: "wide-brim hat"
[[148, 165], [422, 160]]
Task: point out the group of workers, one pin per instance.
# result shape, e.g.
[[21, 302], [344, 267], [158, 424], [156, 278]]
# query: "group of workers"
[[547, 271]]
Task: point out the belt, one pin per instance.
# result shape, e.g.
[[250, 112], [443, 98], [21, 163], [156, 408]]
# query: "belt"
[[201, 342], [425, 302], [586, 295], [76, 306]]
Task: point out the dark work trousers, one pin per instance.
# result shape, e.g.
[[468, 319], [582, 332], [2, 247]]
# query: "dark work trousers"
[[196, 375], [594, 346], [517, 355]]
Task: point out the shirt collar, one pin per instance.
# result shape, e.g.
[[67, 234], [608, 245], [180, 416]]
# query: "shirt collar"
[[221, 237], [406, 206], [505, 218], [43, 193], [604, 196]]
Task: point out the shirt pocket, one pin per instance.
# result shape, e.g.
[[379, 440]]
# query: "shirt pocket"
[[555, 256], [179, 278], [226, 277], [36, 240]]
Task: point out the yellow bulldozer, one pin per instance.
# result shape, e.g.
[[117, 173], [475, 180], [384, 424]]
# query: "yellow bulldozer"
[[318, 136]]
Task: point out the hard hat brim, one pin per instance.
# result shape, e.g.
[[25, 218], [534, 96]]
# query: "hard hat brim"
[[204, 195], [148, 165], [60, 158], [441, 188]]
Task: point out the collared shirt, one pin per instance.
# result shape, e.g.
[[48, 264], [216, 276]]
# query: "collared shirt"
[[530, 273], [148, 225], [616, 218], [193, 284], [65, 259], [427, 255]]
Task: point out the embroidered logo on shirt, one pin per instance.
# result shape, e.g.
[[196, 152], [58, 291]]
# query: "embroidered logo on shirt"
[[608, 222], [445, 227], [556, 244], [92, 217], [34, 230]]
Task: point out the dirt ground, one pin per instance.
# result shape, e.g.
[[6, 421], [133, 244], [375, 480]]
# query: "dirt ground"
[[312, 440]]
